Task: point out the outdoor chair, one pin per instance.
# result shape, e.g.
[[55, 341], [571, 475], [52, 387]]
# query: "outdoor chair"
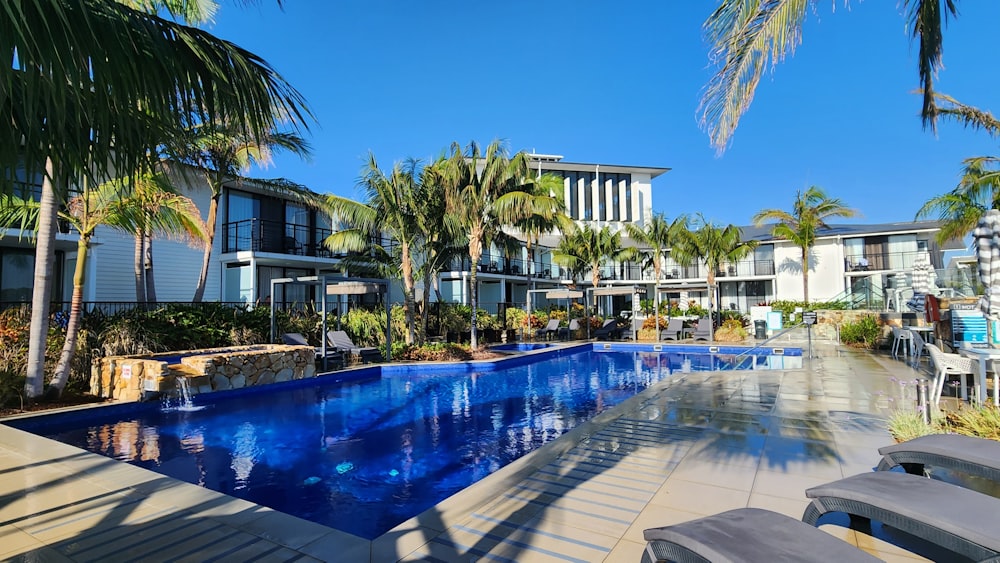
[[343, 343], [609, 330], [918, 347], [548, 330], [674, 331], [704, 330], [746, 534], [945, 365], [960, 520], [954, 452], [901, 338], [566, 332], [333, 356], [633, 329]]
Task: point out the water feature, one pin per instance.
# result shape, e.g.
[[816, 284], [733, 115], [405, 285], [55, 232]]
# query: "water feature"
[[185, 396]]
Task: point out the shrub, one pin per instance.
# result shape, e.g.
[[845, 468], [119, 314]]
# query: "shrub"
[[731, 331], [651, 323], [863, 333]]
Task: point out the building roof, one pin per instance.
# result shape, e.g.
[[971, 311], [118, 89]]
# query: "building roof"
[[850, 230], [548, 162]]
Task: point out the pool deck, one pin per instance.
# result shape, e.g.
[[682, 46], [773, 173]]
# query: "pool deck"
[[694, 445]]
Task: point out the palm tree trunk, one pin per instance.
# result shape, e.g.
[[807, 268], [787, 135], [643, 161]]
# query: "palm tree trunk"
[[206, 261], [425, 302], [408, 292], [475, 254], [656, 297], [41, 292], [61, 375], [805, 275], [147, 266], [137, 266]]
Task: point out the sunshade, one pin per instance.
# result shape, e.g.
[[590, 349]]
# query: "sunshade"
[[921, 281], [987, 237]]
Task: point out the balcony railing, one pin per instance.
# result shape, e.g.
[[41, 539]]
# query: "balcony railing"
[[880, 261], [259, 235]]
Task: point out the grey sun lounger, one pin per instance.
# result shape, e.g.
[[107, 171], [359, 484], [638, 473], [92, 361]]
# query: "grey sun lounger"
[[975, 456], [747, 535], [959, 520], [343, 343]]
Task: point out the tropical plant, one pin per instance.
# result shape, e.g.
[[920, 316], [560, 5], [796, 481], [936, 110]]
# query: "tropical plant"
[[224, 153], [588, 248], [99, 99], [746, 38], [713, 245], [485, 191], [390, 209], [657, 236], [546, 214], [863, 332], [128, 205], [809, 213], [978, 189]]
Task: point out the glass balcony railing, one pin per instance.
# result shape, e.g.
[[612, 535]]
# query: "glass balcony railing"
[[880, 261], [259, 235]]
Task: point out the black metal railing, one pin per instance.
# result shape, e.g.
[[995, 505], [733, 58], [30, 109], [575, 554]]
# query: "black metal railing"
[[115, 307], [259, 235]]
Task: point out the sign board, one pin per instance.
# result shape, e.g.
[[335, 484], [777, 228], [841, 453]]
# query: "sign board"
[[809, 317], [774, 320], [127, 372]]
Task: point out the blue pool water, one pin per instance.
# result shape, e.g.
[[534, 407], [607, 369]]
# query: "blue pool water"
[[366, 454]]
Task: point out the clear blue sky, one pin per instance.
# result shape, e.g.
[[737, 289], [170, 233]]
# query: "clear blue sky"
[[619, 83]]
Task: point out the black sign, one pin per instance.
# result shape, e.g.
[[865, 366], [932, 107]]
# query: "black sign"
[[809, 317]]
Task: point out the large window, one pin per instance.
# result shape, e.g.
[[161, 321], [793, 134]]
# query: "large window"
[[17, 269]]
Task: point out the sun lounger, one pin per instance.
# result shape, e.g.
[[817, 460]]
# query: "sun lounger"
[[974, 456], [957, 519], [548, 330], [609, 330], [704, 330], [674, 330], [342, 342], [333, 356], [567, 331], [747, 534]]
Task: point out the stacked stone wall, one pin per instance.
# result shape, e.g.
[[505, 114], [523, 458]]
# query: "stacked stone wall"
[[130, 378]]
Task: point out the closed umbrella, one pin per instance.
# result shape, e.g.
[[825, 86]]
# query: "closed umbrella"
[[987, 236], [921, 281]]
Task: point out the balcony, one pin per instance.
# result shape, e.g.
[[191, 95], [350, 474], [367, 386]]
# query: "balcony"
[[258, 235], [880, 261]]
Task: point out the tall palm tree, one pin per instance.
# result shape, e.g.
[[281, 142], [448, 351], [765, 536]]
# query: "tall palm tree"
[[389, 209], [97, 99], [657, 237], [588, 248], [714, 245], [547, 214], [485, 190], [978, 189], [224, 153], [749, 37], [809, 213], [144, 202]]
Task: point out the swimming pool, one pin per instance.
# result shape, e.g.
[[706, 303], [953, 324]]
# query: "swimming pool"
[[367, 454]]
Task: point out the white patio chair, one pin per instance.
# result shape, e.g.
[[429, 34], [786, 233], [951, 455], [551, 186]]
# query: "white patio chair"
[[900, 338], [917, 347], [946, 364]]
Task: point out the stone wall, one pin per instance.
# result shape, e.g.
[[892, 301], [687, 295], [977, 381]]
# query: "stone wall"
[[129, 378]]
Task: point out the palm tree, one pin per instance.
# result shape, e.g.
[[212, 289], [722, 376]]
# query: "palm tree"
[[390, 208], [747, 38], [809, 213], [224, 153], [485, 190], [713, 245], [547, 214], [589, 248], [657, 237], [978, 190], [134, 78], [145, 202]]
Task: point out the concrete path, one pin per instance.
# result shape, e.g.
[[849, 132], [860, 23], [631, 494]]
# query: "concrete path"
[[695, 445]]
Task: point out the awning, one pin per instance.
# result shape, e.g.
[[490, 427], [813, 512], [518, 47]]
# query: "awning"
[[353, 288], [678, 287], [629, 290], [563, 294]]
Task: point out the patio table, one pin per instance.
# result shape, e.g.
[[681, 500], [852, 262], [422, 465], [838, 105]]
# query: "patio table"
[[984, 355]]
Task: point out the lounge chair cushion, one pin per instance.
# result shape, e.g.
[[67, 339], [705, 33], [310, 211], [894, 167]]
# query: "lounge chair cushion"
[[975, 456], [747, 534], [954, 518]]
